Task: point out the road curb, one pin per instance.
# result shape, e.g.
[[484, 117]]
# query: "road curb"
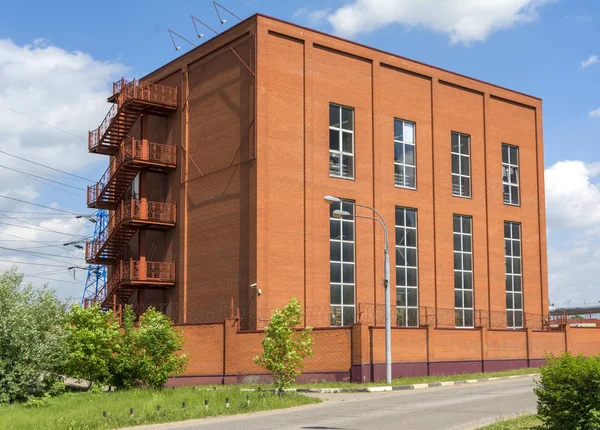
[[388, 388]]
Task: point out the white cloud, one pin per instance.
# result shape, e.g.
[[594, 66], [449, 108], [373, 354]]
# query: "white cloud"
[[465, 21], [311, 17], [592, 59], [595, 113], [573, 217], [66, 90]]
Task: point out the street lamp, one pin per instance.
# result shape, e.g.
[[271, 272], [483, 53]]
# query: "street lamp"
[[386, 275]]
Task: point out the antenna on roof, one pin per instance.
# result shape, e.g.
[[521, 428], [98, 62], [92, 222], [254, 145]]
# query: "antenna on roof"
[[200, 35], [177, 47], [223, 21]]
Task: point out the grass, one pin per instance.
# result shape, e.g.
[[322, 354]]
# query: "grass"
[[85, 410], [522, 422], [404, 381]]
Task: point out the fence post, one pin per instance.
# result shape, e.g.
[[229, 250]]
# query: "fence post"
[[484, 346], [230, 329]]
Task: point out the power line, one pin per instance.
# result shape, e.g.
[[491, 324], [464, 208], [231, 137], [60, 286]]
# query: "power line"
[[34, 264], [34, 213], [41, 177], [32, 240], [51, 279], [41, 229], [47, 167], [41, 255], [38, 226], [41, 206], [42, 122]]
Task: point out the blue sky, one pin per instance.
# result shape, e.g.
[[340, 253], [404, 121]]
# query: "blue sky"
[[532, 46]]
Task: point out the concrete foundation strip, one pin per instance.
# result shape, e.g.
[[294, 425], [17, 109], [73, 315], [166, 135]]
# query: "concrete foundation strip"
[[385, 388]]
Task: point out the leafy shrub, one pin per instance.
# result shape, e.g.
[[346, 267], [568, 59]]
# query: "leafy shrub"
[[32, 339], [284, 347], [569, 393]]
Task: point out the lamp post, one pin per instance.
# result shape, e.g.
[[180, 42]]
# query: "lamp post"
[[386, 275]]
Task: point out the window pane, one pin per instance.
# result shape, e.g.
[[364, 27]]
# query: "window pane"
[[517, 301], [347, 166], [400, 256], [468, 298], [400, 276], [409, 151], [465, 186], [400, 236], [506, 193], [347, 119], [509, 283], [348, 230], [411, 257], [513, 175], [348, 273], [336, 315], [510, 322], [457, 242], [400, 296], [515, 195], [508, 265], [507, 230], [507, 247], [516, 248], [467, 262], [458, 299], [455, 147], [409, 132], [413, 317], [401, 317], [516, 231], [335, 251], [465, 168], [509, 301], [517, 283], [505, 173], [348, 254], [505, 153], [468, 280], [334, 140], [469, 318], [348, 294], [411, 296], [514, 155], [518, 319], [347, 142], [399, 175], [399, 152], [466, 224], [455, 163], [335, 272], [398, 129], [466, 243], [411, 277], [456, 222], [348, 315], [334, 229], [457, 261], [458, 280], [409, 177], [459, 321], [334, 164], [399, 216], [348, 207], [516, 263], [456, 190], [411, 237], [334, 115], [336, 294], [411, 218], [464, 144]]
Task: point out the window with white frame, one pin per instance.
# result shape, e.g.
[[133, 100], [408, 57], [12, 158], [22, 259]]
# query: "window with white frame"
[[463, 270], [341, 141], [407, 292], [514, 286], [341, 262], [510, 174], [404, 154], [461, 164]]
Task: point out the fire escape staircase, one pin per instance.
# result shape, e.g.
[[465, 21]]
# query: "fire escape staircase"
[[133, 157], [130, 100]]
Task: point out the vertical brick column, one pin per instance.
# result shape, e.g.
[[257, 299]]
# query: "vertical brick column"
[[360, 353], [231, 351], [484, 347]]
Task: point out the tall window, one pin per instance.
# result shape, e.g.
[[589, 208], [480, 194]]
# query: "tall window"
[[341, 257], [341, 141], [514, 287], [461, 164], [510, 174], [404, 154], [407, 311], [463, 270]]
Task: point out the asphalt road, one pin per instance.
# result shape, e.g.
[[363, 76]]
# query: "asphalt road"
[[460, 407]]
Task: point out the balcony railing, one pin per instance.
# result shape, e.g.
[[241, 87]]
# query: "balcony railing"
[[127, 217], [140, 273], [131, 153], [130, 98]]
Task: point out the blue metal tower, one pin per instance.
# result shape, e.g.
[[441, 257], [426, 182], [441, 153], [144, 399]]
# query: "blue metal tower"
[[95, 283]]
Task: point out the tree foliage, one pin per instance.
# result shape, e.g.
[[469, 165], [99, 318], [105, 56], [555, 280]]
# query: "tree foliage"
[[569, 393], [32, 339], [285, 347]]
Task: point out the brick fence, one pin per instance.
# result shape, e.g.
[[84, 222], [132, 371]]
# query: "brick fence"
[[220, 353]]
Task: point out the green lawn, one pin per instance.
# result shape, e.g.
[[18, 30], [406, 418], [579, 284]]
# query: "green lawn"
[[403, 381], [85, 410], [523, 422]]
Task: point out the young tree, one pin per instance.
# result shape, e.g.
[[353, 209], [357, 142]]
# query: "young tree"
[[32, 339], [284, 347], [157, 345], [92, 339]]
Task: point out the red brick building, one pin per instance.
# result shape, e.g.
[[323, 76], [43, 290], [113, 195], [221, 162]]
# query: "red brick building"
[[220, 161]]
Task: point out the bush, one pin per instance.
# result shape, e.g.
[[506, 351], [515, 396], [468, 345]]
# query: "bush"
[[284, 348], [32, 340], [569, 393]]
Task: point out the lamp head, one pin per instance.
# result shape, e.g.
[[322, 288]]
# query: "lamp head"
[[200, 35], [340, 214], [331, 199], [177, 48], [223, 21]]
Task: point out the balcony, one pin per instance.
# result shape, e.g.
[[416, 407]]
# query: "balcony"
[[128, 217], [131, 99], [133, 156], [127, 276]]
